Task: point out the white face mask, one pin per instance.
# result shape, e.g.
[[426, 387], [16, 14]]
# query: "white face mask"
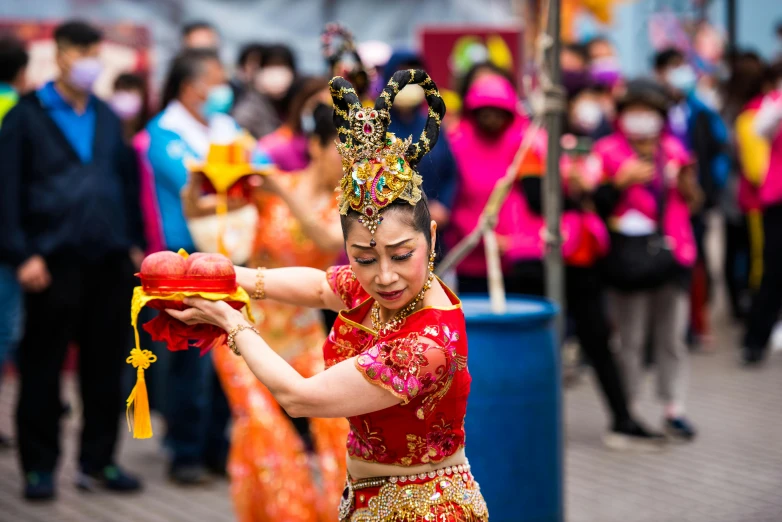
[[682, 78], [587, 115], [409, 97], [274, 80], [641, 124]]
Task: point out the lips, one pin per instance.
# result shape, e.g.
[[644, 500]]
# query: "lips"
[[391, 296]]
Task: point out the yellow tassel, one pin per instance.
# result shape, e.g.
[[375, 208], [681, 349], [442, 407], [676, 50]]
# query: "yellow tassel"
[[138, 399]]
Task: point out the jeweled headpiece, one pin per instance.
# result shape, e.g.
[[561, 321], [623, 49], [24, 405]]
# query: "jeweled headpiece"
[[378, 167]]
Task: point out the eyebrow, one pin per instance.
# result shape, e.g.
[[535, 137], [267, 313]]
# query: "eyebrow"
[[395, 245]]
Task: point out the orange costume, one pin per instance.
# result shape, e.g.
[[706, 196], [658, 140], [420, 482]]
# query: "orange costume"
[[272, 476]]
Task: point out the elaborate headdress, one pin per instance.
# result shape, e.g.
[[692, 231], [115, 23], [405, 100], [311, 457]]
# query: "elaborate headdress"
[[378, 167]]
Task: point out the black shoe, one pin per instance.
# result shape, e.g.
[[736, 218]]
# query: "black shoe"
[[110, 477], [39, 486], [680, 429], [630, 435], [752, 356], [189, 475], [217, 467]]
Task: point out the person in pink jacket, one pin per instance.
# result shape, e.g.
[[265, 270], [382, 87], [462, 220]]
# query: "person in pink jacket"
[[484, 143], [584, 241], [645, 170], [767, 302]]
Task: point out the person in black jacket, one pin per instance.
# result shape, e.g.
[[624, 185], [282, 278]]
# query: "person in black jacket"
[[71, 222]]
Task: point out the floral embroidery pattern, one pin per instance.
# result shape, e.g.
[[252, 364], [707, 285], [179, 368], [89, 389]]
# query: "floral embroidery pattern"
[[367, 446], [423, 363], [440, 442], [396, 364], [341, 280]]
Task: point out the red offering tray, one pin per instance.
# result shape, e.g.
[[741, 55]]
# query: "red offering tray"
[[156, 285]]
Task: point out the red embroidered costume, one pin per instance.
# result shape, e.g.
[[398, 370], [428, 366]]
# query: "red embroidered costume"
[[424, 363]]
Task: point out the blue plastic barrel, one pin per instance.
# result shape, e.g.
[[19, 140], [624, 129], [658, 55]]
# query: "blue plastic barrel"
[[513, 426]]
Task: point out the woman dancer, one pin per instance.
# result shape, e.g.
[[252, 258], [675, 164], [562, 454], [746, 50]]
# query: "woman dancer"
[[397, 355]]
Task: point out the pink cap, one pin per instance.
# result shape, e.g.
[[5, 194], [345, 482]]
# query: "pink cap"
[[491, 91]]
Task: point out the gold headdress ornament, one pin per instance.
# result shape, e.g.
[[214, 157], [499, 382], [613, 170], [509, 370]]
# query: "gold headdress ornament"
[[378, 167]]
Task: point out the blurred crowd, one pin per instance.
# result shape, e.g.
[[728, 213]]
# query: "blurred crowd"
[[91, 185]]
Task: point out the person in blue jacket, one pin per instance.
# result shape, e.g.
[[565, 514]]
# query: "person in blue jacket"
[[72, 228], [195, 407]]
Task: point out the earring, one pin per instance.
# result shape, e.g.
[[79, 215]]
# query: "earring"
[[432, 257], [352, 274]]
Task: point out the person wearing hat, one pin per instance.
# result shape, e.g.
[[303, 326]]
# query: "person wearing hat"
[[648, 194]]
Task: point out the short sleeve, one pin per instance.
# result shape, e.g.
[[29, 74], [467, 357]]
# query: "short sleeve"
[[341, 281], [409, 367]]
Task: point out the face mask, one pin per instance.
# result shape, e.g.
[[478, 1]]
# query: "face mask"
[[125, 104], [410, 97], [587, 115], [219, 100], [682, 78], [641, 124], [307, 123], [84, 72], [274, 80], [606, 71]]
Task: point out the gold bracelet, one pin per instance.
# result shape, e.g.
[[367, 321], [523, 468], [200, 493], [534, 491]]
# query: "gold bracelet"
[[260, 287], [232, 334]]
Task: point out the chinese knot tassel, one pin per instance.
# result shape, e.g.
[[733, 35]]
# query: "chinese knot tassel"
[[138, 399]]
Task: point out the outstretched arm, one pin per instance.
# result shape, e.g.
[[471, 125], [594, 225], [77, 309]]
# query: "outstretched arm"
[[300, 286], [340, 391]]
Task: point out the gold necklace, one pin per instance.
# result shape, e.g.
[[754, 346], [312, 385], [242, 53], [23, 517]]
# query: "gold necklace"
[[402, 314]]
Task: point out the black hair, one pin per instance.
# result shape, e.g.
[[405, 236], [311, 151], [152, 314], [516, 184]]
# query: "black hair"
[[595, 41], [185, 67], [469, 77], [648, 92], [250, 51], [197, 25], [578, 49], [278, 54], [129, 81], [302, 90], [749, 75], [77, 32], [13, 58], [667, 57], [324, 130], [416, 216]]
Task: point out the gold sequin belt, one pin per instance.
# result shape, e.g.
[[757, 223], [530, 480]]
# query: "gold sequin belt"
[[443, 492]]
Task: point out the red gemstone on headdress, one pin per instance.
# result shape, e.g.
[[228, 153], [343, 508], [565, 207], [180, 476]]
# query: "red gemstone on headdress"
[[369, 211], [368, 128]]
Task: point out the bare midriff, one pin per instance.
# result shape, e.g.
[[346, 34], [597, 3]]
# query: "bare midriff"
[[360, 469]]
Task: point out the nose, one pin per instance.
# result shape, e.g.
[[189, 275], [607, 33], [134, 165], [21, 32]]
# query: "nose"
[[386, 277]]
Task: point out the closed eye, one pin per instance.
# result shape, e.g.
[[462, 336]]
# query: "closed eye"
[[403, 257], [364, 261]]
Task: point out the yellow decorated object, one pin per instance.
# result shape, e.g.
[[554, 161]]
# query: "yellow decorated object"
[[225, 165], [138, 400]]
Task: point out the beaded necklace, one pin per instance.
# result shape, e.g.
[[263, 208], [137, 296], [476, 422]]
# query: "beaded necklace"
[[402, 314]]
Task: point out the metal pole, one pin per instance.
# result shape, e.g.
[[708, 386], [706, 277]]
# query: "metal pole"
[[552, 190], [730, 6]]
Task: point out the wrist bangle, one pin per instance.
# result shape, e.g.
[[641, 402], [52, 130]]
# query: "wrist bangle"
[[231, 342], [260, 286]]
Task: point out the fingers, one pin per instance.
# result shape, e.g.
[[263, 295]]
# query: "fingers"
[[186, 316]]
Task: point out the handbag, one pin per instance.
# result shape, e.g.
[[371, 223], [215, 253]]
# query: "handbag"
[[644, 262]]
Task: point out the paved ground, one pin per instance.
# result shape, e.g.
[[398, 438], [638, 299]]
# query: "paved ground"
[[732, 473]]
